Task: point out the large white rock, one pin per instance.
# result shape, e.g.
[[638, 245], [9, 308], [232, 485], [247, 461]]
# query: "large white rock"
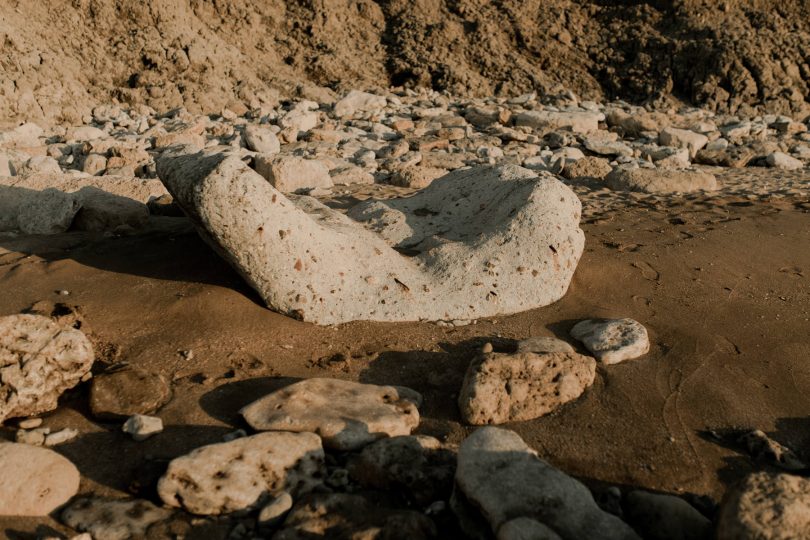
[[486, 241], [289, 174], [39, 359], [660, 180], [501, 388], [230, 476], [347, 415], [683, 138], [545, 121], [766, 507], [356, 101], [612, 340], [504, 479], [34, 481]]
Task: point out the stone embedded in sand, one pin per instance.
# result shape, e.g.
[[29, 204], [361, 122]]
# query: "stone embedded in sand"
[[34, 481], [665, 517], [504, 479], [124, 392], [113, 519], [342, 515], [261, 139], [347, 415], [780, 160], [545, 121], [357, 101], [39, 359], [683, 138], [766, 506], [501, 388], [524, 528], [543, 344], [660, 180], [289, 174], [417, 466], [485, 241], [612, 340], [230, 476]]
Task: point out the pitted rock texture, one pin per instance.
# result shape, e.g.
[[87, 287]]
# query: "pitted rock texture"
[[347, 415], [483, 242], [113, 519], [502, 477], [230, 476], [39, 360], [612, 340], [501, 388]]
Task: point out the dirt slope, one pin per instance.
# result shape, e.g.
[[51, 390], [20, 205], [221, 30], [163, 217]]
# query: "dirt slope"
[[60, 57]]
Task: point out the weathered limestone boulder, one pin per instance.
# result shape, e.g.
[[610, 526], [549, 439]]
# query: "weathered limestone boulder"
[[660, 180], [289, 174], [34, 481], [501, 388], [39, 360], [347, 415], [484, 242], [356, 101], [612, 340], [545, 121], [230, 476], [766, 507], [113, 519], [504, 479]]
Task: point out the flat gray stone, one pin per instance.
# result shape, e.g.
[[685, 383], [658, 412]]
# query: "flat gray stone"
[[230, 476], [347, 415], [501, 388], [660, 180], [502, 477], [316, 264], [39, 360], [34, 481], [113, 519], [612, 340], [766, 507]]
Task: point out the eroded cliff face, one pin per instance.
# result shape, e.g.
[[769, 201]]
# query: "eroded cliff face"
[[61, 57]]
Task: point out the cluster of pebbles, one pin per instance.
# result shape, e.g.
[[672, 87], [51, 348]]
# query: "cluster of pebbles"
[[319, 452]]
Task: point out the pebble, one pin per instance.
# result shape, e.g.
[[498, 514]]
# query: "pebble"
[[61, 436], [275, 511], [141, 427], [612, 340]]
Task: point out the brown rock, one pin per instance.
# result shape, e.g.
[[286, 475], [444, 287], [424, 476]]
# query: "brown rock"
[[121, 394]]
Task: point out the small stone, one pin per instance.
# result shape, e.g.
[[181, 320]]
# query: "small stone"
[[289, 174], [665, 517], [236, 475], [347, 415], [683, 138], [34, 481], [612, 340], [780, 160], [763, 448], [141, 427], [113, 519], [40, 164], [61, 436], [94, 164], [543, 344], [30, 423], [501, 388], [34, 438], [588, 167], [261, 139], [125, 392], [40, 359], [766, 507], [274, 512]]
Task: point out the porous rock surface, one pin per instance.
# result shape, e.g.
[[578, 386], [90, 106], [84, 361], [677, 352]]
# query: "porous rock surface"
[[504, 479], [660, 180], [230, 476], [612, 340], [347, 415], [113, 519], [501, 388], [485, 241], [39, 360]]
